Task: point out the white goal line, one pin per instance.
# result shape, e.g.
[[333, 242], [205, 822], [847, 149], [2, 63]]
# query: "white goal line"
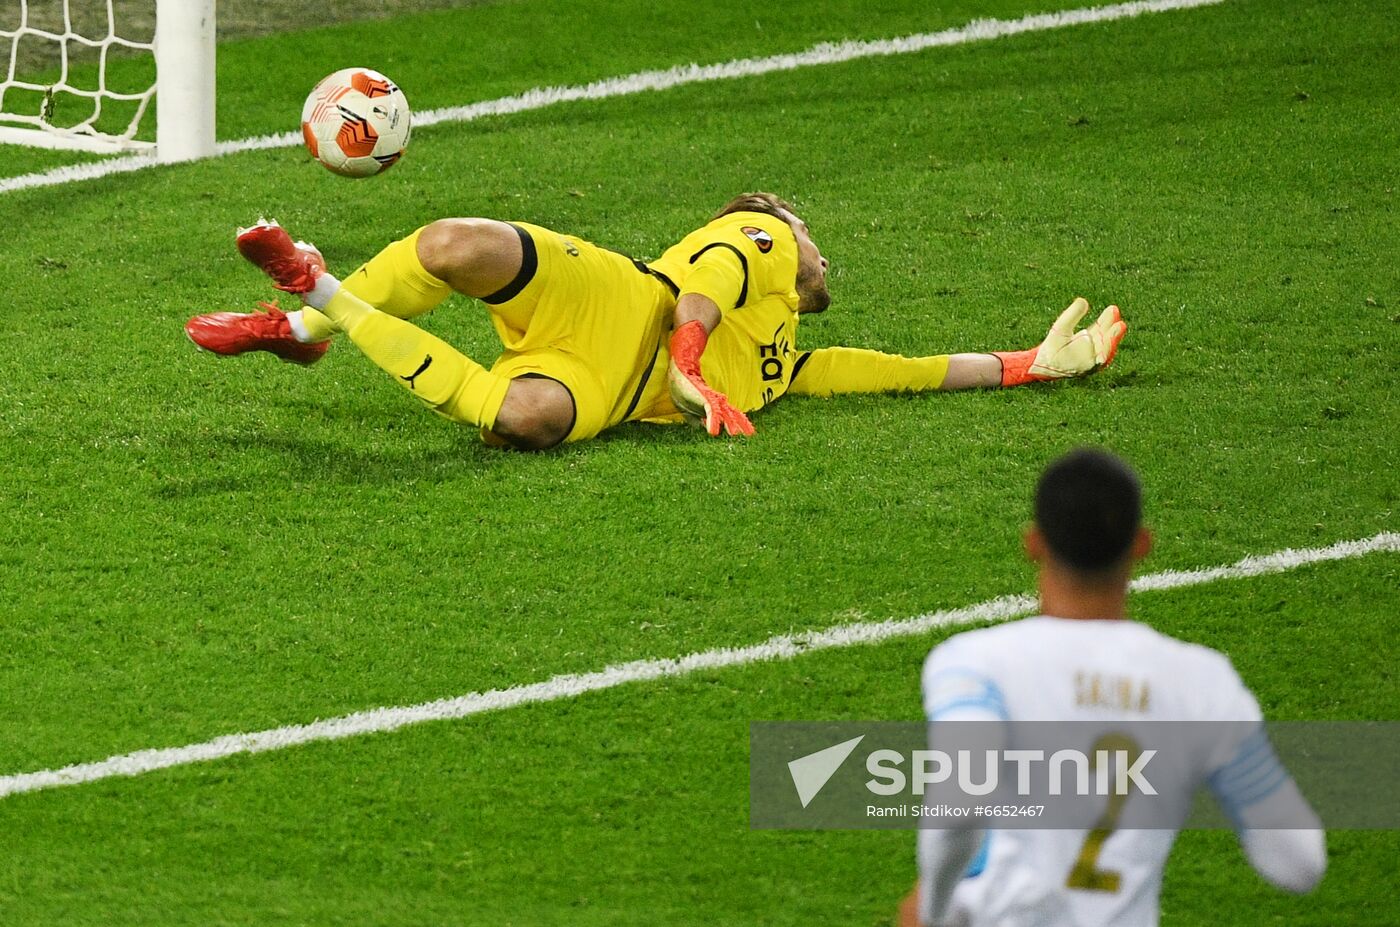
[[540, 97], [572, 685]]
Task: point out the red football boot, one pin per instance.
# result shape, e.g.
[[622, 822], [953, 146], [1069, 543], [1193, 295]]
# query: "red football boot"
[[293, 266], [230, 333]]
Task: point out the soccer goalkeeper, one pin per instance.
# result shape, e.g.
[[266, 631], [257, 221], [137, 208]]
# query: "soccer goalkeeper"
[[594, 338]]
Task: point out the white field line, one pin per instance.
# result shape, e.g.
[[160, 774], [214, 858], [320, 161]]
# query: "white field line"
[[540, 97], [781, 647]]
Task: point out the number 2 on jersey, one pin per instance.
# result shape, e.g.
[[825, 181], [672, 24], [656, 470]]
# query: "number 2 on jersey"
[[1086, 874]]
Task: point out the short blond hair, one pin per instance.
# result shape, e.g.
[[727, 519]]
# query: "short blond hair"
[[766, 203]]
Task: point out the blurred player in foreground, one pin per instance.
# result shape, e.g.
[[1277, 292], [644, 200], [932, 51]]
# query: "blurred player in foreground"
[[1082, 661], [594, 338]]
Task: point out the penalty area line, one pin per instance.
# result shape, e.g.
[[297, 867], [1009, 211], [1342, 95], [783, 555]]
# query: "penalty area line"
[[538, 98], [572, 685]]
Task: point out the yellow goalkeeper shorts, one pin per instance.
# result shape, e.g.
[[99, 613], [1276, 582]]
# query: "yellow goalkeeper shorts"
[[591, 318]]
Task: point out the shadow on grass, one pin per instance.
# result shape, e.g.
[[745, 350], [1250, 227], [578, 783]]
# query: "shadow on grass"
[[357, 444], [368, 455]]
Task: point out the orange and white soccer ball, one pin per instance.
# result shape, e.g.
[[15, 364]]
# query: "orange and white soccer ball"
[[356, 122]]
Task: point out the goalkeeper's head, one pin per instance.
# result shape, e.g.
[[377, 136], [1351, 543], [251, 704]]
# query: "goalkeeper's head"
[[1088, 518]]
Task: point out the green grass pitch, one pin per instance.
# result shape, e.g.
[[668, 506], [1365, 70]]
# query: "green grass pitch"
[[199, 546]]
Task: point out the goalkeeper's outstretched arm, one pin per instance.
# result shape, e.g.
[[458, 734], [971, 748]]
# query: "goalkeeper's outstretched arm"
[[1064, 353]]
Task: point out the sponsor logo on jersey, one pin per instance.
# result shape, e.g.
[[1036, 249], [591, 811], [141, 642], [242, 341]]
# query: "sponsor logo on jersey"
[[773, 361], [760, 238]]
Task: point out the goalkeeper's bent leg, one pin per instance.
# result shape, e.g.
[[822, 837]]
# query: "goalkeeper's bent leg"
[[445, 379], [394, 281]]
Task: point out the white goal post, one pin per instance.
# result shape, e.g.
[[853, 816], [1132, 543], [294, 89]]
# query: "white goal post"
[[183, 46]]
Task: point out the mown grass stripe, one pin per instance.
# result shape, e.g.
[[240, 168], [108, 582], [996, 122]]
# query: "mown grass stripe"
[[539, 97], [572, 685]]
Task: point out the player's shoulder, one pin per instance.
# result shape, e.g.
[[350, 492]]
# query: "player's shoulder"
[[1197, 658], [757, 235], [1202, 682], [1037, 638], [979, 649], [762, 221], [996, 637], [764, 247]]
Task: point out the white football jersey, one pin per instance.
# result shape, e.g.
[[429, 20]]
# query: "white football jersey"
[[1121, 675]]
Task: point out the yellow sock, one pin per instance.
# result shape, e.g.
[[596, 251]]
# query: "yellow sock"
[[316, 325], [448, 381], [394, 281]]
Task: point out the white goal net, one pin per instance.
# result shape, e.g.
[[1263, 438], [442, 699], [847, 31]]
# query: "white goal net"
[[81, 74]]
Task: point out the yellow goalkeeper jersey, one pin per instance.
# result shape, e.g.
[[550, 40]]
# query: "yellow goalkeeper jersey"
[[746, 262]]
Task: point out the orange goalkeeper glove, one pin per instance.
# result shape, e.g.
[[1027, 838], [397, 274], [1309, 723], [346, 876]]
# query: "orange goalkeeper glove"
[[689, 391], [1066, 352]]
